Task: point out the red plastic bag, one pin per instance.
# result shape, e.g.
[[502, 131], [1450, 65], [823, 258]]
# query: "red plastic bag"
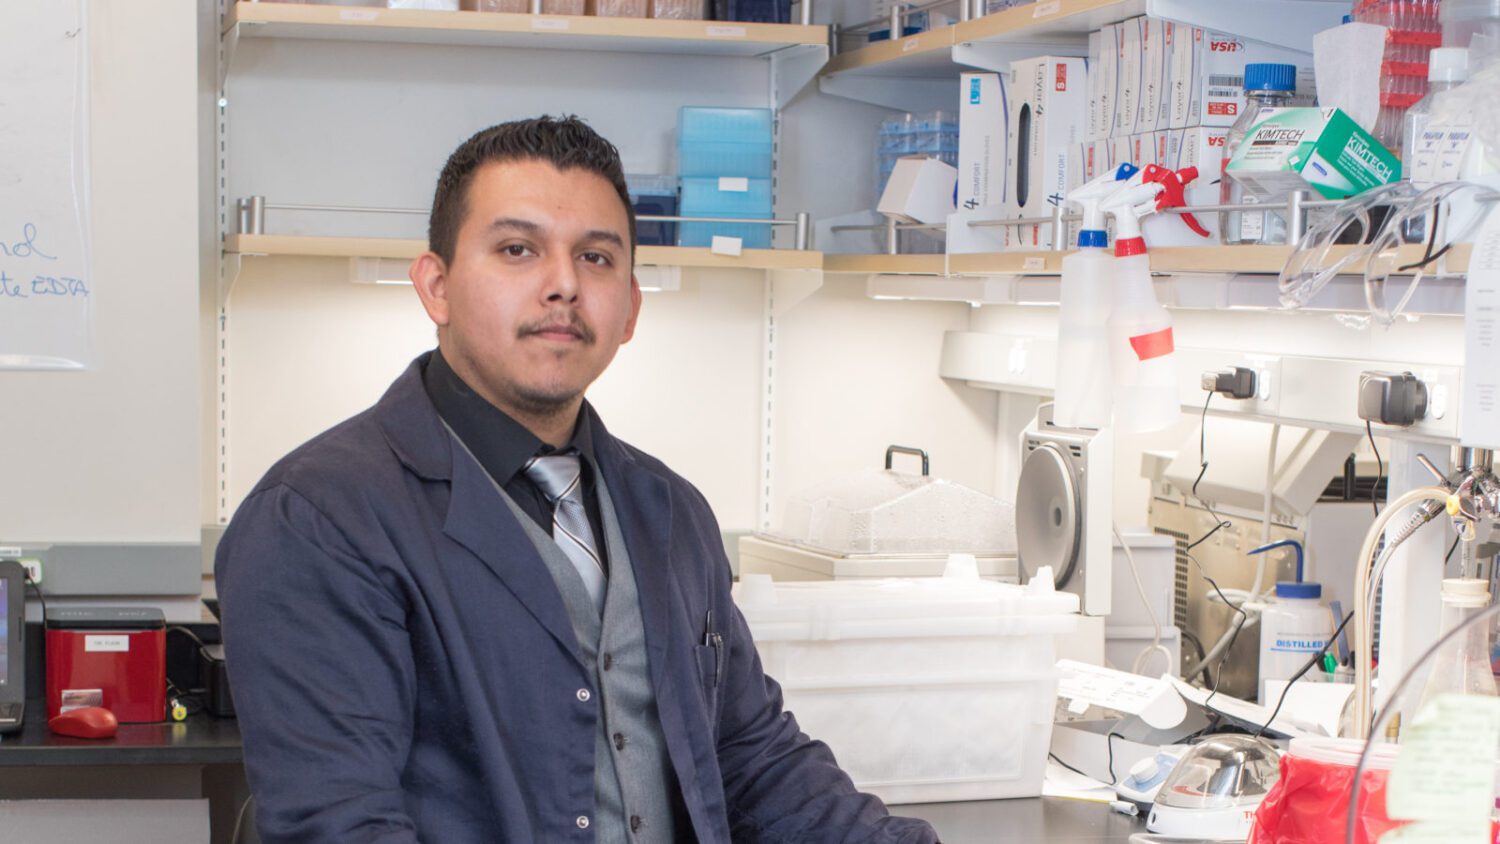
[[1310, 805]]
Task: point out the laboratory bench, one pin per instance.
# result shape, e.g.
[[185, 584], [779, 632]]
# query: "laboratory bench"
[[203, 755], [202, 739], [199, 758], [1025, 819]]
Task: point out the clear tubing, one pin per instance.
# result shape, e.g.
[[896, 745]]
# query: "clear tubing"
[[1363, 623], [1156, 645]]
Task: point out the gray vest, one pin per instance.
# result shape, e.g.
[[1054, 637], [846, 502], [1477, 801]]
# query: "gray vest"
[[632, 772]]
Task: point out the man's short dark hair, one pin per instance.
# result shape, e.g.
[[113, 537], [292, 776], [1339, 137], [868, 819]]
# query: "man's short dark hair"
[[566, 143]]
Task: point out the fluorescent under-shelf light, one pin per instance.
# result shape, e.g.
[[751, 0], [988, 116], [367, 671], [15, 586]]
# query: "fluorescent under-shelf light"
[[384, 271], [659, 279]]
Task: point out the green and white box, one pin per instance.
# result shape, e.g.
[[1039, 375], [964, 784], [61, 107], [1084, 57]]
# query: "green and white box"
[[1322, 148]]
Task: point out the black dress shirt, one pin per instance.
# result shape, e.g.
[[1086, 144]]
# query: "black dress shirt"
[[503, 446]]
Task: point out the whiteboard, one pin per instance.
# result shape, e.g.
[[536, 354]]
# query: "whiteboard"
[[46, 290]]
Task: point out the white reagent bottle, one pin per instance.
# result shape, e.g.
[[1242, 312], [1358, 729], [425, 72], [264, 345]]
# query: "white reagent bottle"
[[1292, 629]]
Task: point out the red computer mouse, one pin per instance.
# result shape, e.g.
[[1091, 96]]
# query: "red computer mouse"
[[85, 722]]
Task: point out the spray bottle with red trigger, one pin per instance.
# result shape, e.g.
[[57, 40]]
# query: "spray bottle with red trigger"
[[1140, 329]]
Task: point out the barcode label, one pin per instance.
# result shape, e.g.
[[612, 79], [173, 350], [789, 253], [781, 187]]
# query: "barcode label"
[[1224, 93], [1237, 82]]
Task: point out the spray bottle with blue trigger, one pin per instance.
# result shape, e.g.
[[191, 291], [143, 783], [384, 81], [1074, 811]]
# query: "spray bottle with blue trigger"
[[1140, 329], [1084, 390]]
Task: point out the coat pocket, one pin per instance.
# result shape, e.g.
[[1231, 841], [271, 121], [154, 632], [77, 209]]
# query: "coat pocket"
[[710, 668]]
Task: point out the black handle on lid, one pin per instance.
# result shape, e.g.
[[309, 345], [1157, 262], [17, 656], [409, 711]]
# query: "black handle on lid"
[[904, 449]]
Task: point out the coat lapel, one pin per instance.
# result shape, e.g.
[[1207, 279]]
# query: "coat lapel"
[[643, 505], [476, 519], [479, 520]]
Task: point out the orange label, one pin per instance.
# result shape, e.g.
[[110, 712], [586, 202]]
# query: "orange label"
[[1154, 345], [1062, 77]]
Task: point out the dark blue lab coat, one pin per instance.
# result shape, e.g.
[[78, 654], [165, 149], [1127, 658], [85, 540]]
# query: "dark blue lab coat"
[[404, 670]]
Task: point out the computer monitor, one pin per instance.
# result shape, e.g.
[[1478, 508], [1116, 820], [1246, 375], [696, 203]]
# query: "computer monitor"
[[12, 644]]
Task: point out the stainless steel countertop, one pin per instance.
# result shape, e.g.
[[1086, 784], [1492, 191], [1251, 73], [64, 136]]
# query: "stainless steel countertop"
[[1029, 819]]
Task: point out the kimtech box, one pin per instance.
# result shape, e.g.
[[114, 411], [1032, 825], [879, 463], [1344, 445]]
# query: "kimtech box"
[[1322, 148]]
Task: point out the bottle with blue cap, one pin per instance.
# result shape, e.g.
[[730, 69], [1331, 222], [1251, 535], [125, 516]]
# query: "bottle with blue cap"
[[1084, 391], [1267, 85], [1293, 627]]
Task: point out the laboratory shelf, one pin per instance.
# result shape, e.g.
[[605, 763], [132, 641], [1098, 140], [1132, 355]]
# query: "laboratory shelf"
[[931, 265], [927, 54], [278, 245], [493, 29], [1263, 20], [1190, 260], [247, 245], [875, 73]]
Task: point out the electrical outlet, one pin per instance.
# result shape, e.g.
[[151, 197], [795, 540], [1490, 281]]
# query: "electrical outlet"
[[33, 568]]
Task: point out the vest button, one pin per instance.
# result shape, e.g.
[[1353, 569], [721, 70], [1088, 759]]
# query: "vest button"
[[583, 821], [635, 823], [609, 661], [619, 741], [583, 695]]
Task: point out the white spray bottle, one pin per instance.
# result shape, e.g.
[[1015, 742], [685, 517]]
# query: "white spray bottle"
[[1084, 388], [1140, 329]]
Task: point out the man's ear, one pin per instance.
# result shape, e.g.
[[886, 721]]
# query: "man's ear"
[[429, 275], [635, 308]]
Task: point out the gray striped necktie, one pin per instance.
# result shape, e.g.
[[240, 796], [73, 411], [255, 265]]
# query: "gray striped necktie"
[[559, 476]]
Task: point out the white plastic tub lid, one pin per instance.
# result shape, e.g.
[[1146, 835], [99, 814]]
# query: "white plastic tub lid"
[[886, 512], [916, 606]]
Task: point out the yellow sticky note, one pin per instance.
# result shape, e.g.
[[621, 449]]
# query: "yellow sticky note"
[[1446, 769], [1440, 832]]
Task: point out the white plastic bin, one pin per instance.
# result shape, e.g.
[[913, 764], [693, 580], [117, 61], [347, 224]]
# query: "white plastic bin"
[[926, 689]]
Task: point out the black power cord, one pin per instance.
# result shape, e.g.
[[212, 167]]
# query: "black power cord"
[[1316, 658], [1109, 742], [187, 631], [1379, 470], [1219, 521], [1219, 524], [1202, 655], [1234, 634], [1054, 758], [1428, 255], [37, 588]]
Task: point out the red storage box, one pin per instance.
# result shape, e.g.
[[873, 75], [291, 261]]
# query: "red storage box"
[[114, 657]]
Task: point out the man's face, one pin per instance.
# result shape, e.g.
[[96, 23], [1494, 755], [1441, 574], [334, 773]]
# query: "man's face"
[[540, 293]]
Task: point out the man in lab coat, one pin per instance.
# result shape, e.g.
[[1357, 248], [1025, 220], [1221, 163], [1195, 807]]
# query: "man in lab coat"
[[470, 613]]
